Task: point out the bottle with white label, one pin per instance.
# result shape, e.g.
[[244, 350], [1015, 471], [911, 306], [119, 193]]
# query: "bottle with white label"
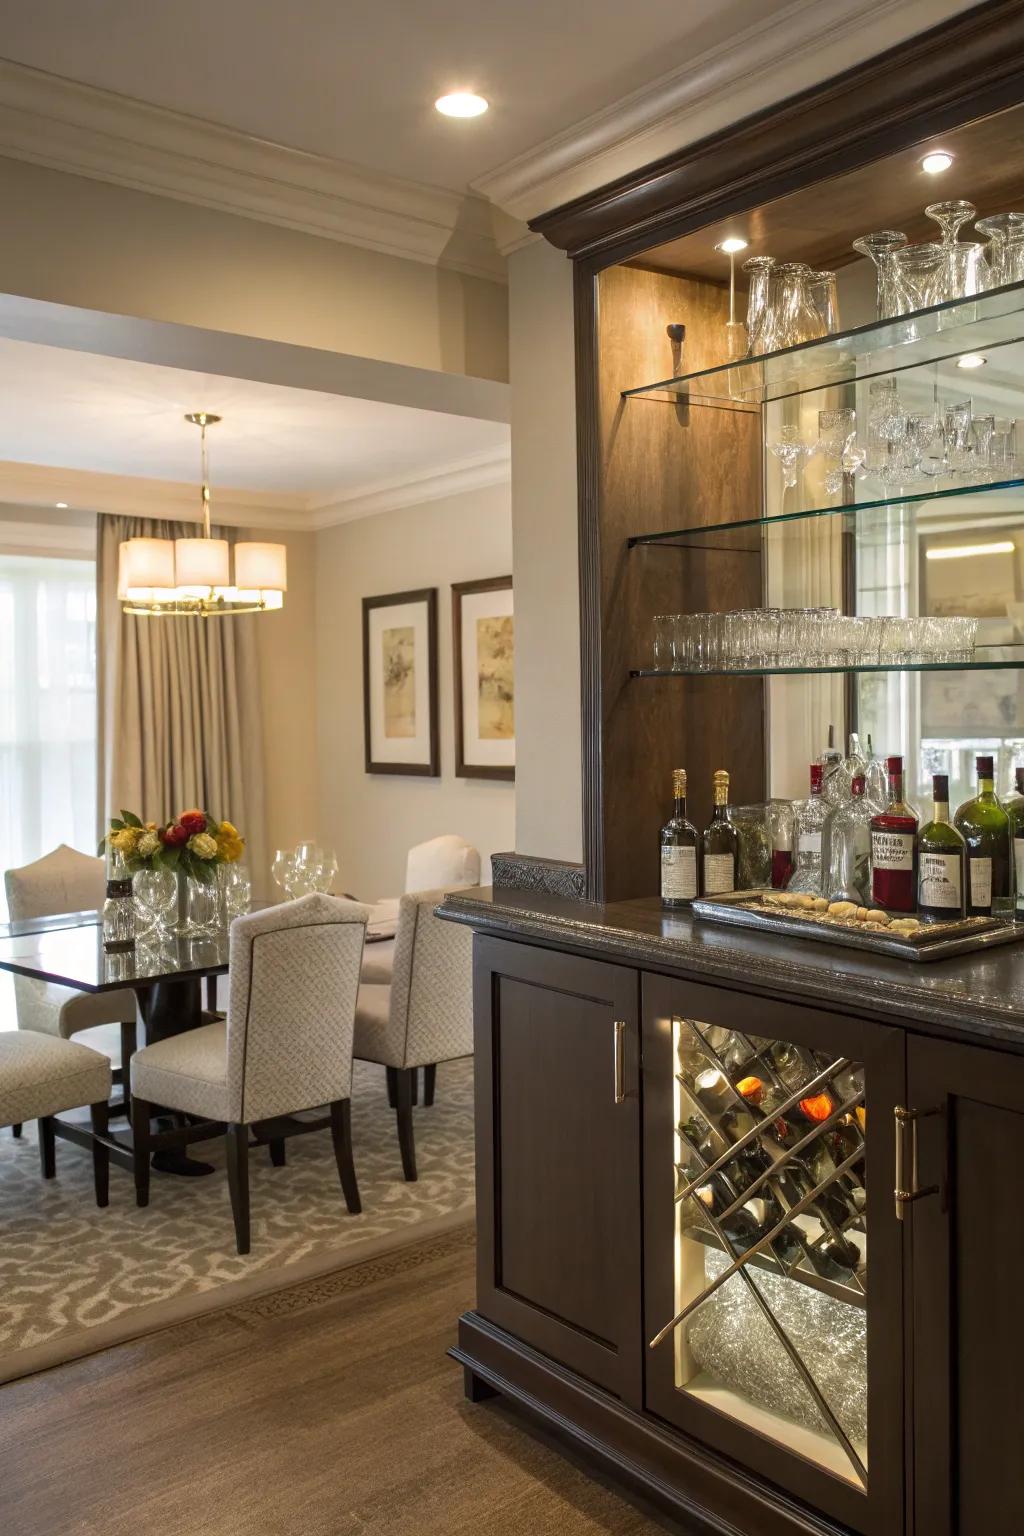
[[720, 842], [941, 854], [894, 847], [808, 830], [1015, 811], [680, 842], [848, 836], [985, 827]]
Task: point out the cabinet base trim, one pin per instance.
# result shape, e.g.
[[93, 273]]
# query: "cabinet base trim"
[[712, 1496]]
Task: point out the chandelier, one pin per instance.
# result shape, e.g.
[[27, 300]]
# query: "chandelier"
[[193, 576]]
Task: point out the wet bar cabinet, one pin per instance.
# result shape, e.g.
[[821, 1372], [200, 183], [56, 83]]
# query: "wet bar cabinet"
[[748, 1207]]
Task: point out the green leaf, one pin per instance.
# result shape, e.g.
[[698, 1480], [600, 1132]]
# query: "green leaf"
[[171, 856], [130, 819], [102, 849], [115, 825]]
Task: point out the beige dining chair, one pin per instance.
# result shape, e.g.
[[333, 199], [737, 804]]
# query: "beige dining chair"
[[445, 863], [40, 1076], [285, 1046], [66, 881], [425, 1015]]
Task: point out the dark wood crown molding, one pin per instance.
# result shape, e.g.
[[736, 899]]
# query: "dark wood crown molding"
[[954, 72]]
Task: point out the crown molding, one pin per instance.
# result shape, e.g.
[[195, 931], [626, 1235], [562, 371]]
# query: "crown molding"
[[68, 126], [453, 479], [23, 536], [776, 57]]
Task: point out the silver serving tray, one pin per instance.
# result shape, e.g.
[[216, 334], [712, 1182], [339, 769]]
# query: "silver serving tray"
[[936, 941]]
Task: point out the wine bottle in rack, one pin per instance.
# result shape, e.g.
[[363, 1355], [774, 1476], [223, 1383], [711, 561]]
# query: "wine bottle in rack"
[[894, 848], [985, 827], [680, 842], [720, 842], [1015, 811], [940, 862]]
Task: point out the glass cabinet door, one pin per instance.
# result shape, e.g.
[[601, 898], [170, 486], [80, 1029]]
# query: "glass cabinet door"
[[762, 1303]]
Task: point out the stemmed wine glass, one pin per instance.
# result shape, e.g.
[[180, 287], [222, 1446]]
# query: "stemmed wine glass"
[[836, 431], [282, 868], [791, 451]]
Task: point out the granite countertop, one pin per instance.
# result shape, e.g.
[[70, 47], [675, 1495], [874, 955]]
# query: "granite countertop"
[[967, 995]]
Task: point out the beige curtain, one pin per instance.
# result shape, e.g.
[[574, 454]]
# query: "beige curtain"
[[180, 716]]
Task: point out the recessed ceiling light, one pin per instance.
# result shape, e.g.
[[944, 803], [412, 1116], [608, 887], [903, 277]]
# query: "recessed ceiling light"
[[731, 244], [461, 104], [965, 551], [971, 360], [61, 505], [937, 162]]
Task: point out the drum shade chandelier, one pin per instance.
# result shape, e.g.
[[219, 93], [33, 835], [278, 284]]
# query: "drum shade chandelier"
[[193, 576]]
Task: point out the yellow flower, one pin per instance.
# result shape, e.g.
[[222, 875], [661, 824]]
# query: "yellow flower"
[[126, 840], [148, 844], [150, 826], [227, 830], [203, 845], [230, 844]]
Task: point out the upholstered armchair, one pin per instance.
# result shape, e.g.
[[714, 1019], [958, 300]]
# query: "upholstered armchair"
[[425, 1015], [285, 1046], [446, 863], [66, 881]]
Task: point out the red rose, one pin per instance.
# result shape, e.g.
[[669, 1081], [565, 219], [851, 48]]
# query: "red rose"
[[193, 822], [175, 835]]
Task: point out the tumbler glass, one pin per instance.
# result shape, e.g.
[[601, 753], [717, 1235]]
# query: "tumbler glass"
[[825, 298], [760, 270], [1005, 251], [203, 908]]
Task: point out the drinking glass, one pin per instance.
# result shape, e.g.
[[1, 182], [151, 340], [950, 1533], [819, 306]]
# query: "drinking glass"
[[887, 426], [894, 298], [983, 429], [926, 450], [921, 269], [326, 871], [963, 269], [236, 889], [825, 298], [282, 867], [203, 908], [758, 302], [796, 318], [1002, 454], [958, 436], [836, 431], [1005, 251], [790, 450], [664, 641], [156, 898]]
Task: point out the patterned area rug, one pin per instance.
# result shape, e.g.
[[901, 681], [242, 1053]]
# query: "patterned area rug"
[[74, 1278]]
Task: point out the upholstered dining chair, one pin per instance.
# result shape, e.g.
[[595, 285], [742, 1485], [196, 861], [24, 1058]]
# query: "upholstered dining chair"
[[285, 1046], [425, 1015], [40, 1075], [446, 863], [66, 881]]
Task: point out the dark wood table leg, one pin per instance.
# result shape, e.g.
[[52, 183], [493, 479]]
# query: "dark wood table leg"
[[169, 1008]]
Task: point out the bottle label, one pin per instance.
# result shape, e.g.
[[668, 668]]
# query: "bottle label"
[[678, 873], [118, 889], [719, 873], [892, 850], [1018, 862], [981, 882], [940, 881], [809, 842]]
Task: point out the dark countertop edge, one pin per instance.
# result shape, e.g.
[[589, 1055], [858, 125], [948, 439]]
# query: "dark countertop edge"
[[488, 913]]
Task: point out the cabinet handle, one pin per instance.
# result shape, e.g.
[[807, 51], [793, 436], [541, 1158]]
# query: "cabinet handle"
[[619, 1059], [903, 1195]]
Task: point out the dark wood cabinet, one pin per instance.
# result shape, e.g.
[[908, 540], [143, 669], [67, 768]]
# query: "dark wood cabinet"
[[558, 1157], [967, 1260]]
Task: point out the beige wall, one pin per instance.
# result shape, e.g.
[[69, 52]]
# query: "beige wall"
[[373, 819], [545, 547], [71, 240]]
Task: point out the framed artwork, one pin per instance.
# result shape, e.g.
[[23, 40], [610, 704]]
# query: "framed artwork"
[[400, 683], [483, 642]]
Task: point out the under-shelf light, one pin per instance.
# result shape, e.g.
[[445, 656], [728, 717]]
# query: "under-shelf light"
[[965, 551]]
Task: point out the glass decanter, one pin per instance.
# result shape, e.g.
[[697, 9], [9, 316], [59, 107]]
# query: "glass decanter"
[[118, 907], [759, 269], [894, 298], [809, 823], [849, 847]]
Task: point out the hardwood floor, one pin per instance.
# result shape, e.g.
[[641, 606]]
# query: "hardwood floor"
[[329, 1409]]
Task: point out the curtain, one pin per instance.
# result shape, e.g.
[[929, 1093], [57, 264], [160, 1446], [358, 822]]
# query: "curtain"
[[178, 702], [47, 707]]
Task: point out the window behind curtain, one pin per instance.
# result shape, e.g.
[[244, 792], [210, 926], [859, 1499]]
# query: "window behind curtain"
[[47, 707]]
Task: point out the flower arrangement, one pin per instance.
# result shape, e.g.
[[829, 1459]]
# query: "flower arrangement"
[[193, 844]]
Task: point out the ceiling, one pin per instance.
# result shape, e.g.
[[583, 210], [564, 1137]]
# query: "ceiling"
[[110, 416], [357, 81]]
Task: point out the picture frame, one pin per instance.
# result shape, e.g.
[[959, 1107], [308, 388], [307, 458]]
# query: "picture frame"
[[400, 708], [483, 670]]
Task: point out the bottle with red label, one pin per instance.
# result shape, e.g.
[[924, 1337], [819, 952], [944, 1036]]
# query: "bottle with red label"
[[894, 848]]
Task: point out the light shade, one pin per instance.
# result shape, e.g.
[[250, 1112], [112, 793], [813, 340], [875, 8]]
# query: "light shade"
[[261, 566], [145, 563], [201, 563]]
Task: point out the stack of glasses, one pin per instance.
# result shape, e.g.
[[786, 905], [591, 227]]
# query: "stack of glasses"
[[757, 639]]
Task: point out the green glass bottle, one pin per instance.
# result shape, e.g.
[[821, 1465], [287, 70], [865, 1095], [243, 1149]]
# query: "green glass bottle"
[[680, 845], [940, 862], [986, 831], [1015, 811]]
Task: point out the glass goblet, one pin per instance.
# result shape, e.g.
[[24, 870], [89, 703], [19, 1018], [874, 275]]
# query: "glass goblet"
[[836, 431], [282, 867], [791, 451], [156, 894]]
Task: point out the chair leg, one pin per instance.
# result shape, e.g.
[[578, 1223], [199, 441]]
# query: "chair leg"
[[141, 1112], [47, 1147], [211, 994], [341, 1135], [99, 1115], [391, 1073], [238, 1183], [277, 1153], [406, 1140], [129, 1045], [16, 1132], [429, 1083]]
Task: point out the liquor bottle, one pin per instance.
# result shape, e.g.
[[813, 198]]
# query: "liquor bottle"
[[856, 762], [894, 847], [986, 831], [831, 761], [679, 840], [876, 781], [118, 906], [720, 842], [809, 819], [1015, 811], [848, 835], [940, 862]]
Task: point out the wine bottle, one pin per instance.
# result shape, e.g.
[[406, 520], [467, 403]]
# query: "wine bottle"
[[894, 847], [1015, 811], [940, 862], [986, 831], [679, 840], [720, 842]]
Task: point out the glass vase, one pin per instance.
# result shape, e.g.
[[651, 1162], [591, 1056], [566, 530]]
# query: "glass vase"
[[881, 248]]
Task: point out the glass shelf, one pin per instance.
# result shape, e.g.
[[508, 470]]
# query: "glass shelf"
[[987, 658], [986, 321], [684, 538]]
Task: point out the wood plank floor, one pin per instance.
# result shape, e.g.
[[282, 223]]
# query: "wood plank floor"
[[329, 1409]]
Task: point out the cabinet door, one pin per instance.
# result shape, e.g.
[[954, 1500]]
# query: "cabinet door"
[[768, 1168], [967, 1247], [558, 1157]]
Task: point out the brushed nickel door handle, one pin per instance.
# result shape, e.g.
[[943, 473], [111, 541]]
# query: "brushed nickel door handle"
[[619, 1059], [905, 1194]]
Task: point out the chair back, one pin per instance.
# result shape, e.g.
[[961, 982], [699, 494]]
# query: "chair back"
[[292, 984], [447, 862], [431, 1016], [62, 881]]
